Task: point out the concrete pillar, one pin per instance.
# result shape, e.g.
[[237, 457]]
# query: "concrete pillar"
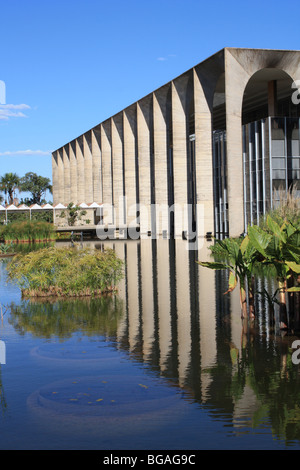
[[160, 160], [97, 166], [179, 128], [107, 172], [118, 170], [61, 182], [55, 182], [67, 175], [204, 156], [80, 171], [73, 172], [235, 79], [88, 168], [130, 147], [144, 131]]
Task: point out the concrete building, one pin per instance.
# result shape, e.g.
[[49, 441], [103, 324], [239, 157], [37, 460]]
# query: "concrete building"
[[207, 152]]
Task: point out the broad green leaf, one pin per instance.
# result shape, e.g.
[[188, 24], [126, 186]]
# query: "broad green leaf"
[[213, 265], [259, 239], [275, 228], [293, 289], [293, 266]]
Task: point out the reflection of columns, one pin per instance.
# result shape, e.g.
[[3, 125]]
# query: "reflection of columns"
[[73, 172], [106, 172], [204, 167], [61, 182], [163, 301], [55, 181], [97, 170], [133, 294], [147, 297], [183, 309], [144, 115], [80, 171], [207, 318], [179, 125], [117, 163], [160, 159], [129, 122], [88, 168], [67, 175], [122, 325]]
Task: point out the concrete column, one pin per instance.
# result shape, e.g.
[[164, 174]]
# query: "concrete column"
[[88, 167], [55, 182], [179, 127], [61, 182], [118, 170], [130, 142], [67, 175], [144, 131], [160, 160], [235, 79], [107, 173], [73, 172], [80, 171], [97, 166], [204, 155]]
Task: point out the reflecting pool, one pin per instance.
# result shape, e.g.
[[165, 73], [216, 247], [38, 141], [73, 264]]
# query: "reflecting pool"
[[165, 364]]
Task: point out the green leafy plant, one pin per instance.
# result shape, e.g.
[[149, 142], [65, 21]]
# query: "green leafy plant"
[[66, 272]]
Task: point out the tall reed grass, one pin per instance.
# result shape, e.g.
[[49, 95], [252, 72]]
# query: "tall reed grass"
[[65, 271], [27, 231]]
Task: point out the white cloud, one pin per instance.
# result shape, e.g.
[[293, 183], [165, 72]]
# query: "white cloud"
[[25, 153], [162, 59], [8, 111]]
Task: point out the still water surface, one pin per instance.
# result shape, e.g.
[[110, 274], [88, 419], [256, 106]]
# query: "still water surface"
[[164, 364]]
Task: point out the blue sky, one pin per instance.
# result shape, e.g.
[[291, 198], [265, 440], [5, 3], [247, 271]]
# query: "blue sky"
[[68, 65]]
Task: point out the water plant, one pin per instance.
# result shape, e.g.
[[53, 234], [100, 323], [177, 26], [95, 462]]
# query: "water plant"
[[276, 247], [66, 271], [27, 231]]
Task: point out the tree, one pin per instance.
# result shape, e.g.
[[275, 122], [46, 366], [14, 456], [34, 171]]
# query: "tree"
[[36, 185], [9, 183]]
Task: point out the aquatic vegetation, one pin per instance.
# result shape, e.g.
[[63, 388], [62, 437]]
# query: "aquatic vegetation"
[[65, 272], [27, 231], [275, 247]]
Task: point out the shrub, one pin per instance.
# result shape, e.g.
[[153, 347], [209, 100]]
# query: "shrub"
[[66, 272]]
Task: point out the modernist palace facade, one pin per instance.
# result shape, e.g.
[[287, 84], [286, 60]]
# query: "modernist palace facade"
[[209, 152]]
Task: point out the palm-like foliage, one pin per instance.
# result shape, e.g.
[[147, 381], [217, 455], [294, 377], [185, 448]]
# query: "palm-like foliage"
[[276, 246], [9, 183], [240, 259], [279, 246]]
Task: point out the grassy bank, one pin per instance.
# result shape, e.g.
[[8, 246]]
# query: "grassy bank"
[[27, 232], [66, 272]]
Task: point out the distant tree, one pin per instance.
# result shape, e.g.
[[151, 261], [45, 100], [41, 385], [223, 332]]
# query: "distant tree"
[[9, 182], [36, 185]]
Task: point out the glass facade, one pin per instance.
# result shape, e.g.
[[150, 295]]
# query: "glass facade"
[[271, 166], [271, 158]]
